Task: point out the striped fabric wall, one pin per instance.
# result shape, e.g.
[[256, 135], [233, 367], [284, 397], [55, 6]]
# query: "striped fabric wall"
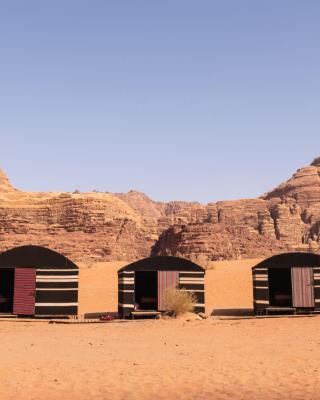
[[260, 289], [190, 281], [166, 280], [193, 282], [125, 293], [316, 283], [56, 291]]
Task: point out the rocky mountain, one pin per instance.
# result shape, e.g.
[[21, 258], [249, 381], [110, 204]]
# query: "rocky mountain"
[[127, 226], [5, 185], [286, 218], [87, 226]]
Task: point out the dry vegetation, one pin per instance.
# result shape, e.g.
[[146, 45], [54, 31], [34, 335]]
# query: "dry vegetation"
[[179, 301]]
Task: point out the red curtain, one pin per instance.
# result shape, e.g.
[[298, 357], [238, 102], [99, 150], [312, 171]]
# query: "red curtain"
[[24, 291], [166, 280]]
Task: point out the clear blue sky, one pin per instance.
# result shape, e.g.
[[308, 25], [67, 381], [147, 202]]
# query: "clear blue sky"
[[193, 100]]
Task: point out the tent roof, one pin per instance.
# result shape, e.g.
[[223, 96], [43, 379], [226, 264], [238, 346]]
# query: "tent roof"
[[34, 257], [287, 260], [164, 263]]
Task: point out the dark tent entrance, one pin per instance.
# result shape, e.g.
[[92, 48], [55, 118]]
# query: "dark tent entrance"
[[280, 287], [6, 290], [146, 290], [291, 287], [151, 288], [17, 291]]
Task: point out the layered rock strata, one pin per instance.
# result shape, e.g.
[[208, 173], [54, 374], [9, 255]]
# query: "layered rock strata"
[[127, 226]]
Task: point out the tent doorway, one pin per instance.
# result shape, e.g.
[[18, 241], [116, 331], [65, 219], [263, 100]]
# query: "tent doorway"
[[302, 287], [6, 290], [146, 290], [280, 287]]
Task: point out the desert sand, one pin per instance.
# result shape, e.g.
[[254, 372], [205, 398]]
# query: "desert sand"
[[218, 358]]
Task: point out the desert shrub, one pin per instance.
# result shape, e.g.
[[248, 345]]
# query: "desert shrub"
[[179, 301]]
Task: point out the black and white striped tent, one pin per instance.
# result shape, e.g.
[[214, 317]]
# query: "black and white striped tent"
[[287, 282], [142, 284], [37, 281]]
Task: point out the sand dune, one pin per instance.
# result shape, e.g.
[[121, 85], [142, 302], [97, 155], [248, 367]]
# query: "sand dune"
[[274, 358]]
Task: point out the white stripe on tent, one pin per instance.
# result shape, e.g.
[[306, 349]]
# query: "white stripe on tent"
[[126, 280], [56, 289], [192, 277], [126, 291], [126, 305], [55, 304], [261, 301], [48, 277], [56, 280]]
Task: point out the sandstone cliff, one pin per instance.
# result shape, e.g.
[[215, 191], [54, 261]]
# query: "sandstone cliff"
[[128, 226], [286, 218]]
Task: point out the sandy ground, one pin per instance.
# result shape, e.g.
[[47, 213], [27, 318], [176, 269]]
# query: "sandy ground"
[[262, 358]]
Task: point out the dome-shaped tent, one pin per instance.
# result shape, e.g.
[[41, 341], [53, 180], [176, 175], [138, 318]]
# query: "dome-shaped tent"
[[37, 281], [288, 282], [142, 284]]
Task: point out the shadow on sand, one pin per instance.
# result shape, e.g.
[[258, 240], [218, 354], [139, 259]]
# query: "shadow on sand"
[[232, 312], [218, 312], [96, 315]]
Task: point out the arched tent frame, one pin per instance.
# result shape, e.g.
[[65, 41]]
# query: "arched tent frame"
[[56, 278], [190, 278], [261, 282]]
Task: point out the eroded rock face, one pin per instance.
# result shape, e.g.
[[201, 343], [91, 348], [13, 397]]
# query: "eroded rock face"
[[316, 163], [288, 218], [289, 227], [129, 226], [93, 226], [304, 186], [5, 185], [88, 226], [207, 241]]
